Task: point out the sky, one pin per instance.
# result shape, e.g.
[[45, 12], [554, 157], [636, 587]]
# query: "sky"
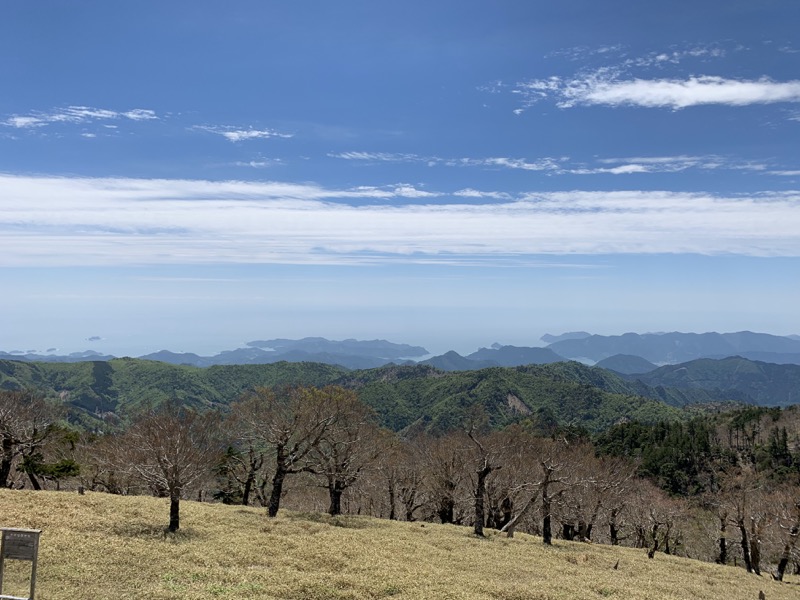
[[193, 175]]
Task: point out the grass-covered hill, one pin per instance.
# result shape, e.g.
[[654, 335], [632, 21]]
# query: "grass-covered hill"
[[100, 546]]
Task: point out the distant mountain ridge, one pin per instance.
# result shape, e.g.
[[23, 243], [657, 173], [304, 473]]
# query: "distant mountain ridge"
[[675, 347], [654, 348]]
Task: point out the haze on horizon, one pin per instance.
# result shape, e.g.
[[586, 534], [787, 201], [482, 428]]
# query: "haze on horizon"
[[193, 176]]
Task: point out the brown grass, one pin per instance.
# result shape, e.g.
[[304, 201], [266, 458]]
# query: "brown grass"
[[99, 546]]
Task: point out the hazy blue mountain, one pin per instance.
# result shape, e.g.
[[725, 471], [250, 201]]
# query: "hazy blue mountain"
[[661, 348], [68, 358], [515, 356], [761, 383], [453, 361], [627, 364], [572, 335], [175, 358]]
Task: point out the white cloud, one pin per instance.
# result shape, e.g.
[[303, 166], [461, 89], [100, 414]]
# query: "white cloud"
[[619, 170], [380, 156], [667, 164], [76, 114], [133, 221], [789, 173], [678, 94], [471, 193], [541, 164], [604, 87], [233, 134], [261, 163]]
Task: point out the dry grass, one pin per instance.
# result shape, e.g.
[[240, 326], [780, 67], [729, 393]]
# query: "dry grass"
[[99, 546]]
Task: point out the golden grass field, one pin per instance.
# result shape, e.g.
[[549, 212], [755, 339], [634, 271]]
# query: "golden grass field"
[[100, 546]]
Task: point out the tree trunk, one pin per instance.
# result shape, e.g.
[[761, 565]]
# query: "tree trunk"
[[745, 546], [547, 533], [392, 511], [480, 494], [787, 552], [755, 547], [174, 511], [277, 491], [34, 482], [722, 558], [512, 523], [335, 490], [613, 532], [652, 552]]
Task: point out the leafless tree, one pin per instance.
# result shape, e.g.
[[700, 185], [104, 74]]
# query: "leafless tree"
[[291, 423], [169, 449], [446, 474], [350, 443]]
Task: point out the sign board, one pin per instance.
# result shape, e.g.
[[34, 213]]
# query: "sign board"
[[19, 544]]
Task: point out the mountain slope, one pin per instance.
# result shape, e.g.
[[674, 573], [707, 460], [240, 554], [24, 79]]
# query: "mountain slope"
[[765, 384], [627, 364]]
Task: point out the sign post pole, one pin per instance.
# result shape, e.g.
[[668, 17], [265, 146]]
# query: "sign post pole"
[[19, 544]]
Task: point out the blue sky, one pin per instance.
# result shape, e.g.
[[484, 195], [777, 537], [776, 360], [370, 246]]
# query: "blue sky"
[[195, 175]]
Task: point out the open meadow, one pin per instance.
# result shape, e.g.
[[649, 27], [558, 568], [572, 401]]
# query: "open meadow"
[[101, 546]]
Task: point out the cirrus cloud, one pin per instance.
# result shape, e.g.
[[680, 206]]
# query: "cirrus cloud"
[[51, 221]]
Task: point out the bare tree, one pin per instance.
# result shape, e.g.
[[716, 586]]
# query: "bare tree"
[[445, 473], [350, 443], [291, 422], [169, 449]]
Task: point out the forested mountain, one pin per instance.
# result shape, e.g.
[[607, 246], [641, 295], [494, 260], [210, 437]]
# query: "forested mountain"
[[120, 387], [760, 383], [403, 396], [555, 394]]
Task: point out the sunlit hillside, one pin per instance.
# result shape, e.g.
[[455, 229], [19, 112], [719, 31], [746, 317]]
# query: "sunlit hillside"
[[100, 546]]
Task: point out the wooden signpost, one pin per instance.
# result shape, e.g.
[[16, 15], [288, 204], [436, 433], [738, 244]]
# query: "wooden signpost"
[[19, 544]]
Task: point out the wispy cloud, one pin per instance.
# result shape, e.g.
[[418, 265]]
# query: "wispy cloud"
[[76, 114], [617, 79], [260, 163], [605, 88], [564, 165], [666, 164], [133, 221], [234, 134], [493, 162]]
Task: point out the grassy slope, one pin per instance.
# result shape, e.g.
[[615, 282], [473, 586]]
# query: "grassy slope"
[[102, 546]]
